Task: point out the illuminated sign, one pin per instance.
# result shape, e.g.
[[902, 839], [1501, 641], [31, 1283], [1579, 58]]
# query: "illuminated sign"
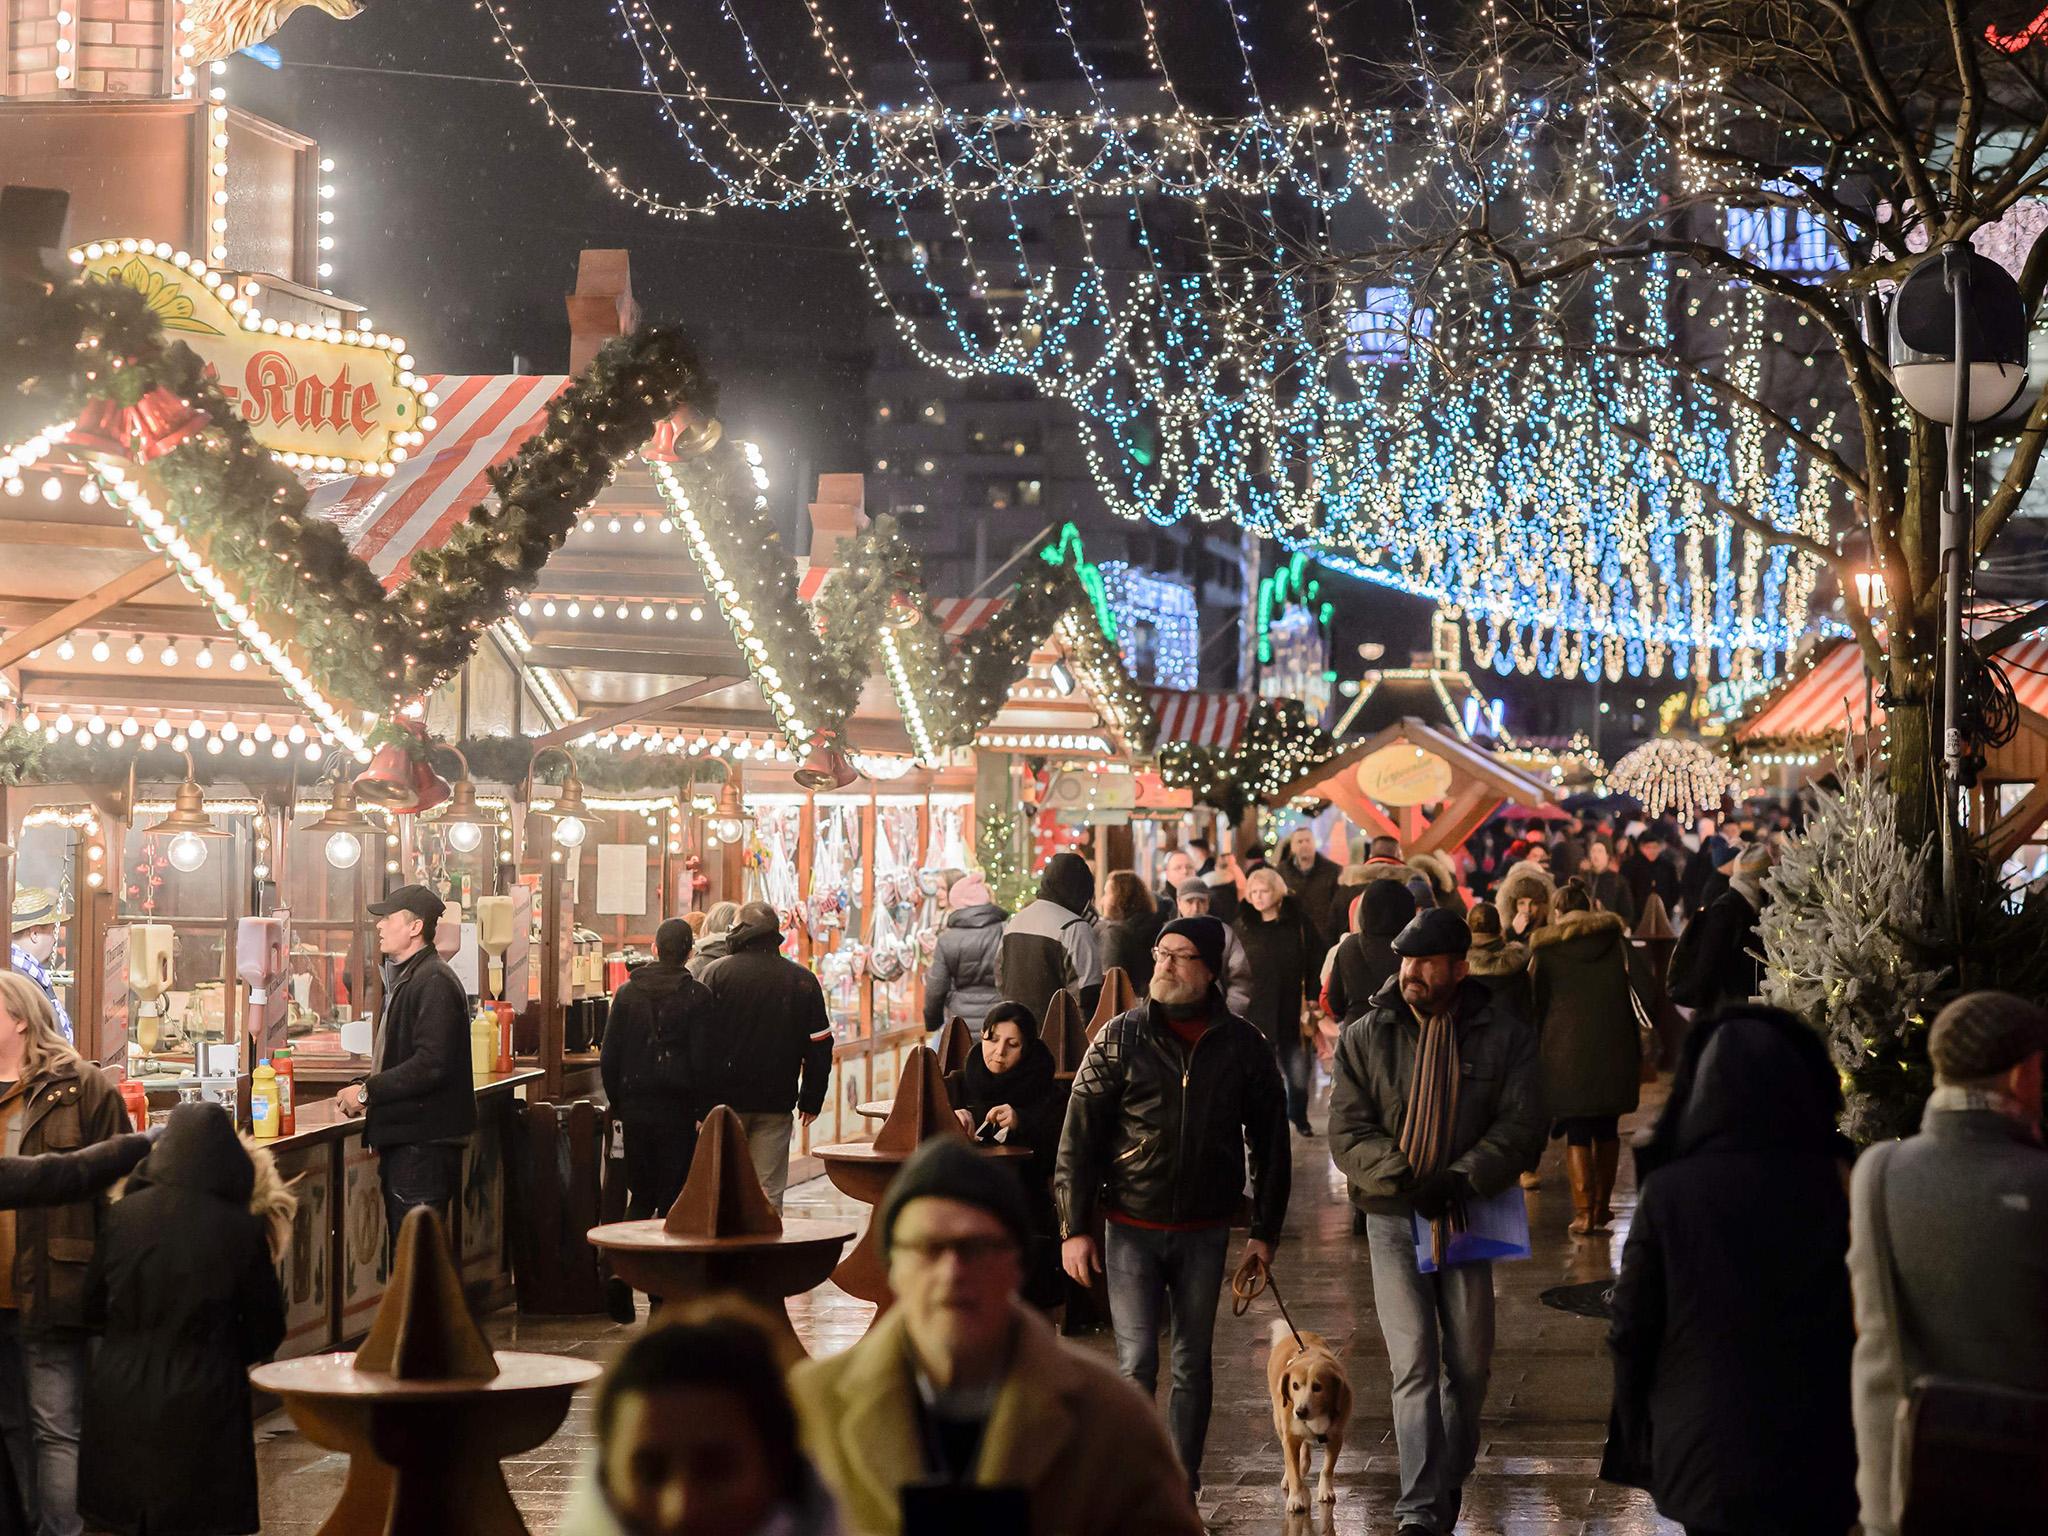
[[317, 396], [2013, 42], [1404, 774]]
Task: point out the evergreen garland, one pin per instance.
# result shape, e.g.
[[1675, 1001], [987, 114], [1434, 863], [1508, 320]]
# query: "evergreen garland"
[[995, 849], [1281, 742]]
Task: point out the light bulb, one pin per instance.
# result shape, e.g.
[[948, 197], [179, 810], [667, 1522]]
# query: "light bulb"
[[101, 650], [467, 836], [168, 656], [133, 655], [570, 832], [65, 649], [186, 852], [726, 829], [343, 850], [204, 660]]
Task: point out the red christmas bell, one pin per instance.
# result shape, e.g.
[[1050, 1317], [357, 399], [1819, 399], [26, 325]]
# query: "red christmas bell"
[[98, 430], [827, 767], [683, 435], [162, 422], [400, 779]]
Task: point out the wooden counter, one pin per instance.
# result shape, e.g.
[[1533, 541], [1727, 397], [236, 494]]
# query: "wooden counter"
[[340, 1257]]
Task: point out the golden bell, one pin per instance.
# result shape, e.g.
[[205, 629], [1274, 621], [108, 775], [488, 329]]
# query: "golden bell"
[[826, 768]]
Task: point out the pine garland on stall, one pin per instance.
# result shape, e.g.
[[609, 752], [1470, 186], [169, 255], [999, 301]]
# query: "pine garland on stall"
[[1845, 950], [995, 849], [1281, 742]]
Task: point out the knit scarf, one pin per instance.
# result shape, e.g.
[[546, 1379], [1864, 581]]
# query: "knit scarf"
[[1432, 1114]]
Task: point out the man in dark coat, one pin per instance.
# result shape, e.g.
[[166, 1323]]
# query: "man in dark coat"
[[1647, 870], [767, 1047], [1366, 960], [1436, 1103], [1312, 881], [420, 1101], [1717, 960], [1167, 1101], [648, 1041], [1731, 1320], [185, 1289]]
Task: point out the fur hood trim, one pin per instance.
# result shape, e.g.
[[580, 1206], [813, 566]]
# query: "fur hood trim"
[[1382, 869], [1573, 925], [1523, 879], [1437, 870], [1497, 957]]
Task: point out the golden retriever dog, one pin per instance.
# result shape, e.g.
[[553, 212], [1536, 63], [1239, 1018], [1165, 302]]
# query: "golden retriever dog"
[[1311, 1403]]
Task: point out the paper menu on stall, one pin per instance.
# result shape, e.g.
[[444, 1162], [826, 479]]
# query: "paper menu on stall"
[[622, 879]]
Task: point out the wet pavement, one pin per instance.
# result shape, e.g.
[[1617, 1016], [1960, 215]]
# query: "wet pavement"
[[1538, 1460]]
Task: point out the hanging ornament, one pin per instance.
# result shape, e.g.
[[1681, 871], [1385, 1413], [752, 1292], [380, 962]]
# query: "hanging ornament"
[[1672, 773], [161, 422]]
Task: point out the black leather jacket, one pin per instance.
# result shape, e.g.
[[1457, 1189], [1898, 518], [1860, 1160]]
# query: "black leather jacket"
[[1160, 1134]]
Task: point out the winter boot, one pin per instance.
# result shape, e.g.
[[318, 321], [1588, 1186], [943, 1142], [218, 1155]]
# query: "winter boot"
[[1606, 1160], [1578, 1167]]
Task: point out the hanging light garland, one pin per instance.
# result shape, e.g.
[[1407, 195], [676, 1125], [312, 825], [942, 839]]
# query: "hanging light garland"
[[1672, 773]]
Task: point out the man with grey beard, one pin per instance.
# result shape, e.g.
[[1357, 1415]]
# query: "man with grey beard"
[[1165, 1104]]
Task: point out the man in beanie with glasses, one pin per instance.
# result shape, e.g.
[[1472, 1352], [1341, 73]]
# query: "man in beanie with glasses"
[[1436, 1104], [1168, 1098], [1948, 1236], [961, 1394]]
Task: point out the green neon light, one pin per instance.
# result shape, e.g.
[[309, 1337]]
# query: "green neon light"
[[1059, 552], [1287, 587]]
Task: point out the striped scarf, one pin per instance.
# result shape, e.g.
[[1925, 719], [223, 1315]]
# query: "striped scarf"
[[1432, 1113]]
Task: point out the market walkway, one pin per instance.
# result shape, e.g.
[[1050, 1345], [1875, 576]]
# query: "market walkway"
[[1546, 1416]]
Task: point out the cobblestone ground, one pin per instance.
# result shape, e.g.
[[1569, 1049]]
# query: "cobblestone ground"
[[1538, 1464]]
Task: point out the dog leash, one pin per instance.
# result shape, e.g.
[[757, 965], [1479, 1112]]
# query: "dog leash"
[[1253, 1276]]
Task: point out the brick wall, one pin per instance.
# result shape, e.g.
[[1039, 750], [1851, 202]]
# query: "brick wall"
[[119, 47]]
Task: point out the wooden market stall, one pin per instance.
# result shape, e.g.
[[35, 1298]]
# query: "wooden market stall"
[[1830, 708]]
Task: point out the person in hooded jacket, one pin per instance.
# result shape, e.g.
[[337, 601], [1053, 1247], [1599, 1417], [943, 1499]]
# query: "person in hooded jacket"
[[960, 981], [184, 1285], [1591, 1048], [1732, 1327], [1051, 943], [1006, 1093], [645, 1064], [714, 939], [1499, 962], [1717, 958], [1524, 898], [1364, 962]]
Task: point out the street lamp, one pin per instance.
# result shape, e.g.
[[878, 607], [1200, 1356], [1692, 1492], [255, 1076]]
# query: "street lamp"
[[1959, 357]]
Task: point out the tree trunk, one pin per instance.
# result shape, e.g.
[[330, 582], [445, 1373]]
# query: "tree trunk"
[[1912, 759]]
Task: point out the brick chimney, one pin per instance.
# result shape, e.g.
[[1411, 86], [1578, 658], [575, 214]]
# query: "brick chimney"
[[602, 305], [836, 516]]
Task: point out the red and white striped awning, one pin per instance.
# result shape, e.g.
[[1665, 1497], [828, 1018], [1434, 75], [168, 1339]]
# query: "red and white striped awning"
[[1199, 719], [480, 421], [961, 616], [1831, 696]]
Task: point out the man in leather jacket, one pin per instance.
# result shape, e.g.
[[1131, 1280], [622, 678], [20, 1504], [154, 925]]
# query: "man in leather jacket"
[[1475, 1134], [1165, 1104]]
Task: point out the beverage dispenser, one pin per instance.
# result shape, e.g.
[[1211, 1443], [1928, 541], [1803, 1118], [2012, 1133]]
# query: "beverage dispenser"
[[495, 920], [263, 960], [149, 977]]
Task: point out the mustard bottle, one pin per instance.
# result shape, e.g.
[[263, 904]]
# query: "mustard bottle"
[[263, 1106]]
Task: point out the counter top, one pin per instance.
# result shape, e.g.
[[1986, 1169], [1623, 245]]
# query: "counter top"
[[319, 1120]]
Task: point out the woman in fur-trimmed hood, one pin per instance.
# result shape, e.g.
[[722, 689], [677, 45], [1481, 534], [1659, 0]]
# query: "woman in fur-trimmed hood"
[[1530, 881], [1592, 1053], [1441, 877], [1501, 963]]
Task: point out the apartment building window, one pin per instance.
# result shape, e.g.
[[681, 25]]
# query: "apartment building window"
[[1006, 494]]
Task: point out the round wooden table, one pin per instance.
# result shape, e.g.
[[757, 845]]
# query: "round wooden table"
[[423, 1454], [767, 1268], [875, 1109], [856, 1169]]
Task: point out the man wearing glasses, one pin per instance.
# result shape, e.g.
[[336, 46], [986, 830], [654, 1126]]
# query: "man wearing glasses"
[[1166, 1102], [961, 1408]]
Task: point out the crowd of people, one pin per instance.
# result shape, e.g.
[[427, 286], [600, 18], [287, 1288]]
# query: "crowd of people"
[[1464, 1016]]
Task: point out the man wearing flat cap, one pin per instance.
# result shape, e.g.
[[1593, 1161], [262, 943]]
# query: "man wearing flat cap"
[[1436, 1104], [419, 1099], [36, 916], [961, 1392], [1948, 1240]]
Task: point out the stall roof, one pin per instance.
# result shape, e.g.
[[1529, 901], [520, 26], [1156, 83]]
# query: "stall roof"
[[1439, 695], [1832, 695]]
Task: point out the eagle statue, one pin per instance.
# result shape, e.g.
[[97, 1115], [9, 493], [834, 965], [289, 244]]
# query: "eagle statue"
[[222, 28]]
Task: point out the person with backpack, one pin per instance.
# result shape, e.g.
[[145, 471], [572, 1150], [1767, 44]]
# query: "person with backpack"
[[1050, 944], [647, 1079]]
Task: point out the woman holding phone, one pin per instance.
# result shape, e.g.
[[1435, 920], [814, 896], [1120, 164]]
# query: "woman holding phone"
[[1006, 1092]]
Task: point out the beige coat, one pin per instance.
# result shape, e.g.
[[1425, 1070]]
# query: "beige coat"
[[1091, 1450]]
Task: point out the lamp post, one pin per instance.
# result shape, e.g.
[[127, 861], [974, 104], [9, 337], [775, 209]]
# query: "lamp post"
[[1959, 357]]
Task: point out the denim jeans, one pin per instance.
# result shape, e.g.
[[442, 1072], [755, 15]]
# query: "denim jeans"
[[419, 1173], [1297, 1071], [1439, 1333], [42, 1408], [1181, 1275], [768, 1139]]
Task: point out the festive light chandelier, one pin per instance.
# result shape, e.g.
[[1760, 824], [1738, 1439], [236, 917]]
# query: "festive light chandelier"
[[1672, 774]]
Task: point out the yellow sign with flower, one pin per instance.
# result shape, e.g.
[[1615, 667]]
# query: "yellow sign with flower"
[[318, 396]]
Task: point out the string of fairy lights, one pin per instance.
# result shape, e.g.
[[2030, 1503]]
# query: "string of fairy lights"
[[1552, 478]]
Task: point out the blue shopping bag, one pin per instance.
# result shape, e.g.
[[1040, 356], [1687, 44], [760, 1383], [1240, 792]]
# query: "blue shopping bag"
[[1497, 1229]]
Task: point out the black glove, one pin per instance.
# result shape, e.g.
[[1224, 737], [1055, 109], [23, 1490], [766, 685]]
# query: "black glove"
[[1433, 1193]]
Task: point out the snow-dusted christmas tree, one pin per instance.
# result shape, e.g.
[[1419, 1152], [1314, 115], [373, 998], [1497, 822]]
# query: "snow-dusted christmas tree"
[[1846, 948]]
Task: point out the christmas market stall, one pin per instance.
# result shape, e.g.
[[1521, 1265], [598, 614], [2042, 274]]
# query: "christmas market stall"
[[1830, 711]]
